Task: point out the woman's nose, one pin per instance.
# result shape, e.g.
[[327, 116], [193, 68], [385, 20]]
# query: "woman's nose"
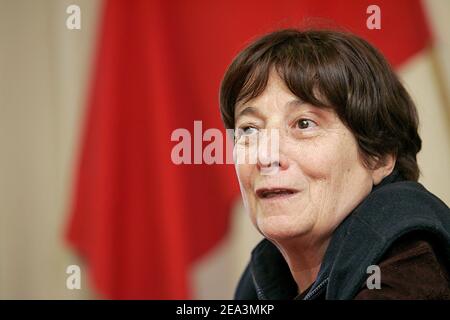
[[269, 159]]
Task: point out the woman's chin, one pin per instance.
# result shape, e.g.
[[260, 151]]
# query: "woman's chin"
[[282, 227]]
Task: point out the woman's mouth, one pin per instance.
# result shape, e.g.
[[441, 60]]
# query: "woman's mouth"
[[275, 193]]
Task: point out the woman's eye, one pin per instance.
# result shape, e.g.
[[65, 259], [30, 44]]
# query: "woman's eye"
[[305, 124], [247, 130]]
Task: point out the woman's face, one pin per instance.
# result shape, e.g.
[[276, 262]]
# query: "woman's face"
[[318, 178]]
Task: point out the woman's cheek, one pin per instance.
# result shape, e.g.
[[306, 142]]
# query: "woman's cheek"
[[315, 161], [244, 173]]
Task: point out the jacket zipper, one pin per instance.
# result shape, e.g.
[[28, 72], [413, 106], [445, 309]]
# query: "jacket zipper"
[[259, 291], [311, 295]]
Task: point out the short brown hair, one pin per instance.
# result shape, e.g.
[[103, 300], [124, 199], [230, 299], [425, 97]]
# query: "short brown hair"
[[332, 69]]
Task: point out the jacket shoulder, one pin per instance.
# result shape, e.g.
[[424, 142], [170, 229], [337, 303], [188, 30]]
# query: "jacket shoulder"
[[412, 268], [406, 203], [387, 214], [405, 192]]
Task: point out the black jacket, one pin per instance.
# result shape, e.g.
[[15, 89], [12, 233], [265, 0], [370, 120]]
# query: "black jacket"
[[394, 208]]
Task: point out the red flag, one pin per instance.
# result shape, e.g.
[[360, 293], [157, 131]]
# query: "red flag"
[[137, 218]]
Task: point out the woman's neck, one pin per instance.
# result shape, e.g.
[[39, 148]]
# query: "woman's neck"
[[304, 258]]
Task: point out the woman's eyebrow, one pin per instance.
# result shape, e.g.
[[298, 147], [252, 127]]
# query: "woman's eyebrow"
[[248, 111], [295, 103]]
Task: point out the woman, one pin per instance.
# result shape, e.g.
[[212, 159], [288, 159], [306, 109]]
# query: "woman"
[[338, 204]]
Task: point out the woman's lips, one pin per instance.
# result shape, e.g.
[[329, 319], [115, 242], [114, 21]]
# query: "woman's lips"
[[275, 193]]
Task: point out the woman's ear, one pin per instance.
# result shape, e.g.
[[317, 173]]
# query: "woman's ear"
[[383, 168]]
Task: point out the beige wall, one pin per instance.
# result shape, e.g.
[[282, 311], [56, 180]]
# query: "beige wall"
[[43, 68], [43, 73]]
